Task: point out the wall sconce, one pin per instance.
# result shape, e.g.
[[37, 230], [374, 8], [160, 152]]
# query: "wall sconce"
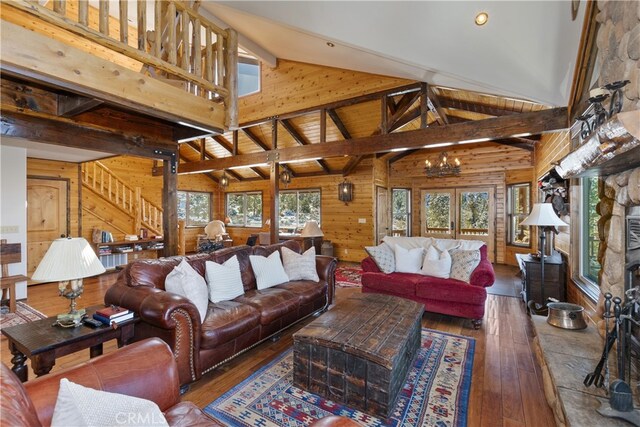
[[285, 176], [224, 180], [345, 191]]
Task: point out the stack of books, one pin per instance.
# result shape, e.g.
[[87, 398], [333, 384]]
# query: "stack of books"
[[113, 314]]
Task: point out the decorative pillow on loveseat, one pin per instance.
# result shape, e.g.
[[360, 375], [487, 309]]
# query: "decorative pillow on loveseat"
[[187, 282], [383, 256], [408, 260], [463, 263], [436, 263], [83, 406], [300, 267]]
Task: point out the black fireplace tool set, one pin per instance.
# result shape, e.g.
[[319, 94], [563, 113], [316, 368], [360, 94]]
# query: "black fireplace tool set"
[[625, 316]]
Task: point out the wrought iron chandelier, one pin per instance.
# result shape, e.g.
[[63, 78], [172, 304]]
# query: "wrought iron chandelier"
[[285, 176], [442, 167]]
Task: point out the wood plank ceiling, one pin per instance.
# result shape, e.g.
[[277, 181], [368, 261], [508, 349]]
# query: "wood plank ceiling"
[[355, 118]]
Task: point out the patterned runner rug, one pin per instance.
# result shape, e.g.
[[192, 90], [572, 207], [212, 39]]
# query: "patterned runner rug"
[[349, 277], [436, 392], [24, 314]]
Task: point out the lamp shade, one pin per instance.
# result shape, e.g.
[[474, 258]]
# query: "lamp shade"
[[543, 215], [311, 229], [68, 259]]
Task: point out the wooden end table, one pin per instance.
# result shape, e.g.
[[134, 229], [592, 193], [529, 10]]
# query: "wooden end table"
[[43, 343]]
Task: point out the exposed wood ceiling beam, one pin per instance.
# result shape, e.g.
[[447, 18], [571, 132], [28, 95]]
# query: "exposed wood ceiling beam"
[[71, 105], [335, 117], [475, 108], [253, 137], [208, 156], [229, 147], [57, 131], [496, 128], [521, 143], [436, 107], [301, 140]]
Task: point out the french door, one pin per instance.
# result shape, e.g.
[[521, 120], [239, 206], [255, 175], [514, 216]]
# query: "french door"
[[459, 213]]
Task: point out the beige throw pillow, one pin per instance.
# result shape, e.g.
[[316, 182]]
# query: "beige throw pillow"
[[268, 270], [463, 263], [436, 263], [81, 406], [300, 267], [383, 256]]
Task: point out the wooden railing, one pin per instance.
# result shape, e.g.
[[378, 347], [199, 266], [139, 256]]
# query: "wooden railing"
[[174, 43], [106, 184]]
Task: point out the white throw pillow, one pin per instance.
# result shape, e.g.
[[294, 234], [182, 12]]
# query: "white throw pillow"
[[82, 406], [408, 260], [225, 280], [383, 256], [268, 270], [300, 267], [436, 263], [463, 263], [186, 281]]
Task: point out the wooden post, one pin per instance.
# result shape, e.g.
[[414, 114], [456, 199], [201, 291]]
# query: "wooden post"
[[231, 77], [208, 56], [384, 128], [104, 17], [275, 202], [171, 28], [235, 143], [83, 13], [124, 21], [181, 237], [170, 208], [157, 48], [59, 6], [323, 125], [424, 108], [197, 50], [142, 25], [184, 63], [274, 134], [137, 209]]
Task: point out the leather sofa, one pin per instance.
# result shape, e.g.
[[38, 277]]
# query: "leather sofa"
[[445, 296], [230, 327], [154, 378]]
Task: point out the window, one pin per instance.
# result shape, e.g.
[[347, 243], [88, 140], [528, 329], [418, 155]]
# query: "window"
[[194, 207], [589, 241], [298, 207], [518, 207], [401, 211], [244, 209], [248, 76]]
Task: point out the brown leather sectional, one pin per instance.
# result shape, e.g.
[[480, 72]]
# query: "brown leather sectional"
[[230, 327], [155, 378]]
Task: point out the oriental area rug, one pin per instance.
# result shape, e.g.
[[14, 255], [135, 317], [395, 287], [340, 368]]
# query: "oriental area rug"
[[349, 277], [24, 314], [436, 392]]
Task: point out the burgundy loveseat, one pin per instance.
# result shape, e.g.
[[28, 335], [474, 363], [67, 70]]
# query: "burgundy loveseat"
[[230, 327], [446, 296]]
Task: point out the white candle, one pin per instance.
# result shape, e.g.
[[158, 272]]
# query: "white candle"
[[597, 92]]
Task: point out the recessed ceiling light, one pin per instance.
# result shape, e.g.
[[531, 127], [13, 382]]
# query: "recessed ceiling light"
[[330, 44], [482, 18]]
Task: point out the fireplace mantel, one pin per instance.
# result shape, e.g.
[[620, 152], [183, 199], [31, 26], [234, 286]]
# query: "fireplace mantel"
[[612, 148]]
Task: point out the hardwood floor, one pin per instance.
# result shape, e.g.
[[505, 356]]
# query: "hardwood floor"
[[506, 385]]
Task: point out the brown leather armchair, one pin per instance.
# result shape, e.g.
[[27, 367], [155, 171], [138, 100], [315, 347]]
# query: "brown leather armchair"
[[154, 377], [230, 327]]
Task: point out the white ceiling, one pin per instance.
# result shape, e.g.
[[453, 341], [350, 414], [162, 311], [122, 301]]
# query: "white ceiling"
[[526, 50], [39, 150]]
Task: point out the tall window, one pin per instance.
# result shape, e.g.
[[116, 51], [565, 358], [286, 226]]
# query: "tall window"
[[401, 211], [590, 242], [248, 76], [519, 206], [194, 207], [244, 209], [297, 207]]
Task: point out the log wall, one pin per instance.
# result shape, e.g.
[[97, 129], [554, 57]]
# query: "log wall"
[[482, 165], [339, 221]]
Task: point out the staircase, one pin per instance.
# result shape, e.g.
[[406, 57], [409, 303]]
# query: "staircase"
[[107, 186]]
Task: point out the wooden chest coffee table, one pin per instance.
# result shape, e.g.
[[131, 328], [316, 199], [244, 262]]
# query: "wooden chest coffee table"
[[359, 352]]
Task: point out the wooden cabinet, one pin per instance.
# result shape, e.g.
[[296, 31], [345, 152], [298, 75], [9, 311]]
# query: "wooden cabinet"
[[116, 254], [554, 277]]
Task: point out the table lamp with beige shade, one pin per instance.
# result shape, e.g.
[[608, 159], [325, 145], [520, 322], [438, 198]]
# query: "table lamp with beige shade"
[[312, 230], [67, 261]]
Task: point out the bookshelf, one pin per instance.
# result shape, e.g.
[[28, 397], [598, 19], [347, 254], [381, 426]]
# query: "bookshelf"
[[115, 254]]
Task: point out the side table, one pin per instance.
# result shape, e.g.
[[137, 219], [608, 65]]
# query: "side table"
[[554, 277], [43, 343]]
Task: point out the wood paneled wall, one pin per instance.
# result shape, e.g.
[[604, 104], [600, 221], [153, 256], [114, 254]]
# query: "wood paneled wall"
[[553, 146], [37, 168], [136, 171], [293, 86], [339, 221], [482, 165]]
